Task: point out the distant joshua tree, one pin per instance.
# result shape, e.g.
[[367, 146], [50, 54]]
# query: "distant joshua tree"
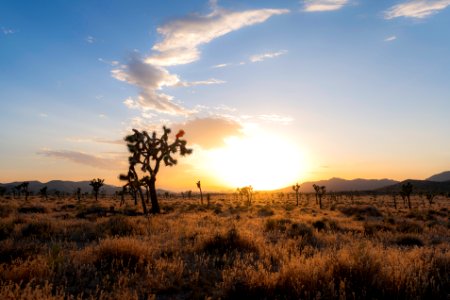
[[43, 192], [296, 187], [406, 192], [2, 191], [96, 185], [430, 196], [149, 151], [199, 186], [78, 192], [320, 192], [247, 192]]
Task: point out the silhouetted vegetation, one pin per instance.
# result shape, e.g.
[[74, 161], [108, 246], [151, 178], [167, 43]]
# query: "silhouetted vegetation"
[[148, 151], [96, 185]]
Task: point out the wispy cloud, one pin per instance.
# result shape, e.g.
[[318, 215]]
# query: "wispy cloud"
[[264, 56], [90, 39], [95, 140], [418, 9], [43, 115], [390, 38], [209, 132], [86, 159], [179, 45], [220, 66], [150, 79], [7, 31], [323, 5], [182, 37]]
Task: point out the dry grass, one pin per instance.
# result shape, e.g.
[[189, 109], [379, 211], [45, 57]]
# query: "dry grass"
[[364, 249]]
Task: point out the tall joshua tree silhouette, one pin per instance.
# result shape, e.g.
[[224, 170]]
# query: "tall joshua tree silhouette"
[[149, 151], [296, 187], [320, 192], [96, 185], [199, 185], [406, 192], [43, 192]]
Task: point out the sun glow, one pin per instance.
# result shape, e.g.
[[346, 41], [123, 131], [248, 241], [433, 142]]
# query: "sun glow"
[[265, 161]]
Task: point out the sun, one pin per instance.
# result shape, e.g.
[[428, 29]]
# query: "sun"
[[265, 160]]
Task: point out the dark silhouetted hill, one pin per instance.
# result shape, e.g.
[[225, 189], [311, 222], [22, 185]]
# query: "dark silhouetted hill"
[[344, 185], [444, 176], [419, 186], [61, 186]]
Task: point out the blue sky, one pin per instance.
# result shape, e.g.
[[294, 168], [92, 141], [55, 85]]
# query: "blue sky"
[[359, 88]]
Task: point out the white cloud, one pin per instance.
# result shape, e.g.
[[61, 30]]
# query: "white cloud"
[[150, 79], [179, 45], [323, 5], [390, 39], [418, 9], [182, 37], [7, 31], [90, 39], [261, 57], [43, 115], [220, 66]]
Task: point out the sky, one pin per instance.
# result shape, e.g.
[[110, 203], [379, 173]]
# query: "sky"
[[269, 93]]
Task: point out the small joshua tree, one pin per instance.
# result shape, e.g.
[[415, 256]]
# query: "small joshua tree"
[[296, 187], [320, 192], [394, 198], [406, 192], [199, 185], [246, 191], [430, 196], [96, 185], [43, 192], [78, 194], [148, 152]]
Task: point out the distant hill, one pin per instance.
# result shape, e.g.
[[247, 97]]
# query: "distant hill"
[[419, 186], [341, 185], [62, 186], [444, 176]]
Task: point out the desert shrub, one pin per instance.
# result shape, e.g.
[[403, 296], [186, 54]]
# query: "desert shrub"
[[276, 224], [368, 211], [228, 243], [92, 210], [6, 228], [116, 226], [83, 232], [32, 210], [5, 211], [371, 228], [300, 230], [265, 212], [409, 227], [326, 224], [41, 230], [408, 241], [119, 253]]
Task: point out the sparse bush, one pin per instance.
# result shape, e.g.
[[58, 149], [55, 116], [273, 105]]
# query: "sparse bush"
[[32, 210], [228, 243], [409, 241], [368, 211], [409, 227], [265, 212]]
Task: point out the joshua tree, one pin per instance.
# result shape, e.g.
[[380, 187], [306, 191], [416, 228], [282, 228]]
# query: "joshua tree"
[[43, 192], [2, 191], [406, 192], [296, 187], [78, 194], [320, 192], [430, 196], [394, 197], [149, 151], [96, 185], [199, 185], [246, 191]]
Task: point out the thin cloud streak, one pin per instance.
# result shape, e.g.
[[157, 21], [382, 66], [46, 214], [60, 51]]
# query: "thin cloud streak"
[[323, 5], [390, 39], [418, 9], [264, 56], [85, 159]]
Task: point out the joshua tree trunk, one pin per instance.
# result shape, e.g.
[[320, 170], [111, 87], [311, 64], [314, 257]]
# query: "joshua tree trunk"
[[296, 195], [153, 195]]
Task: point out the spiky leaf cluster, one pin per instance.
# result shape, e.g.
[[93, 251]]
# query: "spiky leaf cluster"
[[150, 150]]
